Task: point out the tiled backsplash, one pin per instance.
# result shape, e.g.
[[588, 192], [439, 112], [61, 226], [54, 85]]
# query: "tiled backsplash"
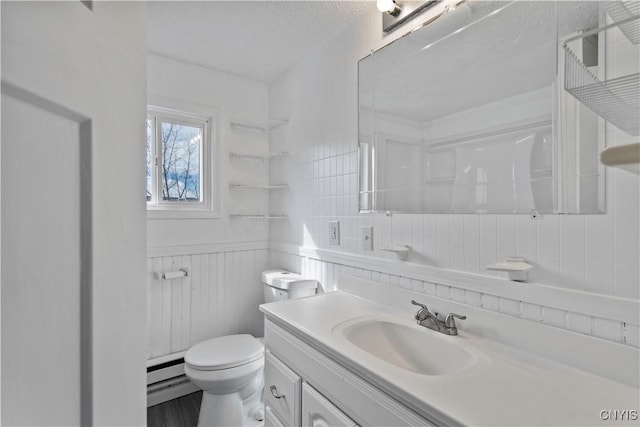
[[326, 273], [595, 258], [594, 253]]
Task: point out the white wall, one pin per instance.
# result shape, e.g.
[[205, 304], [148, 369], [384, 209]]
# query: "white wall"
[[236, 99], [220, 297], [0, 241], [93, 63], [588, 258], [222, 294]]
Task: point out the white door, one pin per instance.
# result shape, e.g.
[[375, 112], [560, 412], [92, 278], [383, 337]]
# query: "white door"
[[45, 253], [317, 411], [72, 221], [41, 262]]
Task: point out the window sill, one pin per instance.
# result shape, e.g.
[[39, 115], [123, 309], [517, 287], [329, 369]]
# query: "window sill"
[[158, 213]]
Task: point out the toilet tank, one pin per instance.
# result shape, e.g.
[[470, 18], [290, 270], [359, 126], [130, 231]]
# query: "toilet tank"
[[282, 284]]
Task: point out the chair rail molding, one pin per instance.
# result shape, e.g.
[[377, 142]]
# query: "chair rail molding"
[[624, 310]]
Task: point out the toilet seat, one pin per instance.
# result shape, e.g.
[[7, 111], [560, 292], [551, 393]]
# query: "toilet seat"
[[224, 352]]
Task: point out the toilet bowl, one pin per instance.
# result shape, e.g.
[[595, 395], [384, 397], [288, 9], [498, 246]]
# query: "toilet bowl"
[[229, 369]]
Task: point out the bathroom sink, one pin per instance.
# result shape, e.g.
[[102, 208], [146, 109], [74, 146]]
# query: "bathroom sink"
[[407, 347]]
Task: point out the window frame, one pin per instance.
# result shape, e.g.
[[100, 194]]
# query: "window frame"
[[209, 182]]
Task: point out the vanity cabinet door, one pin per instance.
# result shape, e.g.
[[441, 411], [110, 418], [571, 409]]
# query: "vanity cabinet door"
[[366, 404], [270, 419], [282, 391], [317, 411]]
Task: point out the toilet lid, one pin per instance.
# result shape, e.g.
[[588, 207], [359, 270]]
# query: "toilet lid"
[[224, 352]]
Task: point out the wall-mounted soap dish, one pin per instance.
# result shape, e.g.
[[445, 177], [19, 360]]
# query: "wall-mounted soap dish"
[[401, 251], [517, 268]]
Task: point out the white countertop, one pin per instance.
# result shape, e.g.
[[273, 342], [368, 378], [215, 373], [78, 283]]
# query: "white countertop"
[[505, 387]]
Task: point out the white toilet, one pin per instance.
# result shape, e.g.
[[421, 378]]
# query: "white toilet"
[[229, 369]]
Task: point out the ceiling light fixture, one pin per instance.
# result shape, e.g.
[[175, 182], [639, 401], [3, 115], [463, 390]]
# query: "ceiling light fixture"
[[396, 13], [388, 6]]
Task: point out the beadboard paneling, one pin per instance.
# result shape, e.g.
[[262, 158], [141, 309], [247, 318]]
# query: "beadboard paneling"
[[616, 320], [219, 297], [585, 253]]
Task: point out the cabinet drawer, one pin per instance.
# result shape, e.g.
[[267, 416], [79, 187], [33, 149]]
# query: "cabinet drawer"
[[360, 400], [270, 419], [282, 390], [317, 411]]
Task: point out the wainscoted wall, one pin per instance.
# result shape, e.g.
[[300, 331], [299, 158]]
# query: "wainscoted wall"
[[586, 271], [610, 318], [220, 296], [225, 256], [586, 277]]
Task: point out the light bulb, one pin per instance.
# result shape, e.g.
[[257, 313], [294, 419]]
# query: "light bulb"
[[386, 5]]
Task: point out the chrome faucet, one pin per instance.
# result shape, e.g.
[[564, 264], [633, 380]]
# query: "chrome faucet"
[[430, 320]]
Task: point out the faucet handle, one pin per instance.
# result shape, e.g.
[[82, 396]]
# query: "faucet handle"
[[423, 313], [450, 322], [414, 302]]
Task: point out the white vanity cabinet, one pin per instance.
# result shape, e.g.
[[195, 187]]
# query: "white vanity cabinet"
[[317, 411], [290, 402], [328, 393], [282, 393]]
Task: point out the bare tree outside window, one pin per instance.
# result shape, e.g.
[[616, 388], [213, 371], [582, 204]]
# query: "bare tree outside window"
[[179, 164], [181, 149], [150, 159]]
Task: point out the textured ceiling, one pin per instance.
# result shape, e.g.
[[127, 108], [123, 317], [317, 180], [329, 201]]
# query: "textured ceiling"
[[435, 72], [255, 39]]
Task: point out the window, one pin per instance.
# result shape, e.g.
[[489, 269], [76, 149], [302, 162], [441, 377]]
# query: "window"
[[179, 164]]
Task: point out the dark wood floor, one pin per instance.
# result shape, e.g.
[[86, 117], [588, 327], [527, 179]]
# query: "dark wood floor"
[[180, 412]]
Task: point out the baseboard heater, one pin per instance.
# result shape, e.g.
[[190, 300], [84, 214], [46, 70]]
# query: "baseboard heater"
[[167, 381]]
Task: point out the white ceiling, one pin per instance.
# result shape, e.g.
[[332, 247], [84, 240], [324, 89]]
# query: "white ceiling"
[[493, 57], [255, 39]]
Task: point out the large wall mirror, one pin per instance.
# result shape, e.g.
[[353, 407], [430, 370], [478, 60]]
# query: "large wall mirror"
[[470, 113]]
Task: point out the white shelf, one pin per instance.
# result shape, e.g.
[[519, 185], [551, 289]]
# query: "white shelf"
[[264, 157], [617, 100], [624, 11], [623, 156], [245, 126], [257, 216], [258, 187], [271, 124], [274, 123]]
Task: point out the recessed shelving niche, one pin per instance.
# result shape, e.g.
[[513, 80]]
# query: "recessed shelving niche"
[[267, 157]]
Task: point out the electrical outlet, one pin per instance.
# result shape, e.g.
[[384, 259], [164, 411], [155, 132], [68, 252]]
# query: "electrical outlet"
[[334, 233], [367, 238]]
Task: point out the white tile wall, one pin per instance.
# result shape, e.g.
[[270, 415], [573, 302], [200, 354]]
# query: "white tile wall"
[[327, 274], [598, 254], [532, 312], [579, 323], [318, 97]]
